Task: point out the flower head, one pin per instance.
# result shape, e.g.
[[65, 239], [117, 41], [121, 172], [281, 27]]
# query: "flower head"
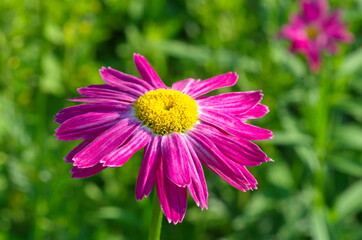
[[314, 29], [178, 128]]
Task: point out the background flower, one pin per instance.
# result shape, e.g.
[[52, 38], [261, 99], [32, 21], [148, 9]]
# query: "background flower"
[[315, 29]]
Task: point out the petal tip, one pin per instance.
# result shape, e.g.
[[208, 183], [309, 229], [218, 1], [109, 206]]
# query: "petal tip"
[[233, 75], [102, 69], [137, 56]]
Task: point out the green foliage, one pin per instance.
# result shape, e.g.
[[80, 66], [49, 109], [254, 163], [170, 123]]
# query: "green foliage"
[[49, 48]]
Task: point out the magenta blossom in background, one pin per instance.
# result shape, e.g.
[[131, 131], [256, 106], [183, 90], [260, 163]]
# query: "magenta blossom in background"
[[314, 29], [178, 128]]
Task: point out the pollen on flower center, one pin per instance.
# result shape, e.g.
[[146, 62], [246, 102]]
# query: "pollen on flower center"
[[312, 32], [166, 111]]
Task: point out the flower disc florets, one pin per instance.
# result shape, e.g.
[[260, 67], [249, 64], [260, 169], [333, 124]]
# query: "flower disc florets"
[[312, 32], [166, 111]]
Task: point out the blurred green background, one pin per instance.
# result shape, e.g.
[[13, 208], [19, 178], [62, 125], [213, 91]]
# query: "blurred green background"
[[313, 190]]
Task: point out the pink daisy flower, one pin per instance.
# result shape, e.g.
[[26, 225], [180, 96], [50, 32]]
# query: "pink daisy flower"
[[314, 29], [178, 128]]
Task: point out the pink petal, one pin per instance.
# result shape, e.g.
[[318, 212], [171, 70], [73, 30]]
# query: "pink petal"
[[335, 29], [74, 151], [323, 5], [332, 20], [173, 199], [120, 156], [147, 72], [97, 100], [230, 171], [133, 89], [313, 58], [87, 125], [86, 172], [106, 91], [74, 111], [225, 122], [234, 102], [258, 111], [300, 46], [208, 85], [197, 188], [185, 85], [294, 30], [311, 11], [176, 160], [251, 132], [245, 172], [342, 35], [235, 148], [235, 126], [332, 47], [130, 79], [105, 143], [149, 166]]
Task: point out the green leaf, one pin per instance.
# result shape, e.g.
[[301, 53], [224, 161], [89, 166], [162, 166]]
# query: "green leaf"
[[352, 107], [319, 224], [53, 33], [346, 165], [50, 81], [290, 138], [279, 174], [349, 202], [181, 50], [308, 156], [352, 63], [349, 136], [281, 56], [123, 215]]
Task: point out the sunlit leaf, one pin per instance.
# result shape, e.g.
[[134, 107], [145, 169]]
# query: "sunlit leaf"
[[319, 225], [349, 136], [50, 82], [349, 201], [352, 63], [347, 164]]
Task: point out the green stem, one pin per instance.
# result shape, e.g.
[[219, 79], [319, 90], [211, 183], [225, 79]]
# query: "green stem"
[[154, 232], [324, 116], [323, 125]]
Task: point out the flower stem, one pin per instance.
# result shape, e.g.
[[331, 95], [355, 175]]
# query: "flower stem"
[[154, 232]]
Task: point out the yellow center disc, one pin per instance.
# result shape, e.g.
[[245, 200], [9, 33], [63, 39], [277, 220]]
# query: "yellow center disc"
[[312, 32], [166, 111]]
